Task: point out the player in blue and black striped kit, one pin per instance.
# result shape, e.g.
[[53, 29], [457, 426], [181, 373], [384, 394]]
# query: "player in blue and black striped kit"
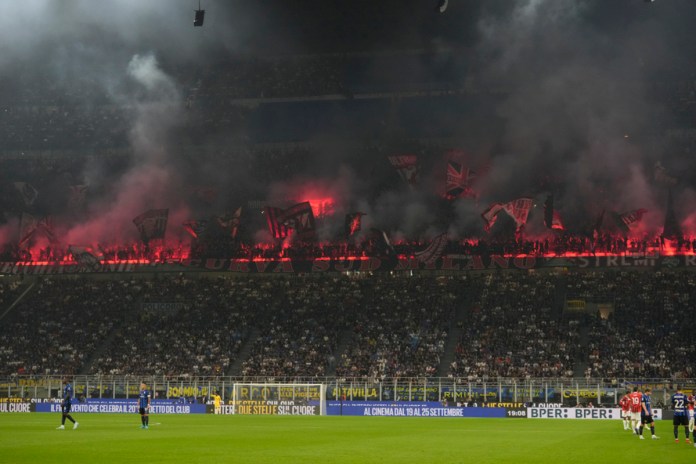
[[144, 406], [680, 405], [66, 405], [646, 414]]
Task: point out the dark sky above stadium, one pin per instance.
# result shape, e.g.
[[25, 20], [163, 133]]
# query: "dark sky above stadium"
[[576, 75], [310, 25]]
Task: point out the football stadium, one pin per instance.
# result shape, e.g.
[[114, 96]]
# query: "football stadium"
[[348, 232]]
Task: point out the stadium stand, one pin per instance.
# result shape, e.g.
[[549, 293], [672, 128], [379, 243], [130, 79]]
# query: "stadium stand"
[[513, 326]]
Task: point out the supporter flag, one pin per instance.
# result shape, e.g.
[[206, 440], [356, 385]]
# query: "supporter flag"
[[629, 220], [552, 219], [230, 222], [353, 223], [27, 192], [433, 251], [519, 210], [407, 167], [662, 176], [300, 218], [195, 228], [152, 224], [491, 214], [77, 195], [556, 223], [459, 180], [27, 227], [46, 226], [597, 229], [275, 224], [671, 230], [85, 256]]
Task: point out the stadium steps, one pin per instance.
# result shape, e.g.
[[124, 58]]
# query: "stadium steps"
[[244, 352], [343, 343], [103, 347], [16, 301], [449, 354], [581, 361], [453, 335]]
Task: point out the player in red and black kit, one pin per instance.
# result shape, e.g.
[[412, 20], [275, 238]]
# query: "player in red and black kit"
[[636, 398], [625, 403]]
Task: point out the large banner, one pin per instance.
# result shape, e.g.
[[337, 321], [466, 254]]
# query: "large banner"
[[454, 263], [113, 406], [581, 413], [409, 409], [15, 405], [276, 408]]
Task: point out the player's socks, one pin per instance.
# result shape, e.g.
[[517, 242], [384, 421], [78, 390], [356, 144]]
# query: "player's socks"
[[147, 421], [640, 431], [652, 430], [69, 417], [676, 432]]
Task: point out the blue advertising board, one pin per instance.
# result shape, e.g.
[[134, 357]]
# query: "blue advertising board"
[[407, 409], [114, 406]]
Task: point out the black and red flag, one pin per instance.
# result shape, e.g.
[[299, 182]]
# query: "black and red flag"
[[29, 226], [459, 176], [672, 229], [552, 219], [196, 228], [299, 218], [629, 220], [490, 215], [152, 224], [275, 224], [433, 251], [519, 210], [407, 167], [230, 222], [353, 223]]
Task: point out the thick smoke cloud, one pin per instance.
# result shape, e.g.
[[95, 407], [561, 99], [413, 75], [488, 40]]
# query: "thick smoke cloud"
[[561, 101]]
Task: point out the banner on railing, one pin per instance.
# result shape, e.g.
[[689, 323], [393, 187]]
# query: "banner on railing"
[[455, 263], [407, 409], [581, 413], [115, 406], [15, 405]]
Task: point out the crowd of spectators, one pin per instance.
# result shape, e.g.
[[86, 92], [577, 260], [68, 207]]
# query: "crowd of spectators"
[[181, 327], [510, 324], [514, 329], [60, 323], [648, 334], [402, 330]]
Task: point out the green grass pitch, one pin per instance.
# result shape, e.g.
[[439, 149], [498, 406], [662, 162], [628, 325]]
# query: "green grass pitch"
[[188, 439]]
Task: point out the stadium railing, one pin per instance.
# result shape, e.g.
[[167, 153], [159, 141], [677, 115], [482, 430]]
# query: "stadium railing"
[[491, 392]]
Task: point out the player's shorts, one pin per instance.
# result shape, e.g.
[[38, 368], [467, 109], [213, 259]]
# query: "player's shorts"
[[626, 414], [680, 420], [646, 419], [66, 407], [143, 411], [635, 416]]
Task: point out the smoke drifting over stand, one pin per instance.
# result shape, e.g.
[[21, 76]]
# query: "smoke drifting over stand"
[[552, 96]]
